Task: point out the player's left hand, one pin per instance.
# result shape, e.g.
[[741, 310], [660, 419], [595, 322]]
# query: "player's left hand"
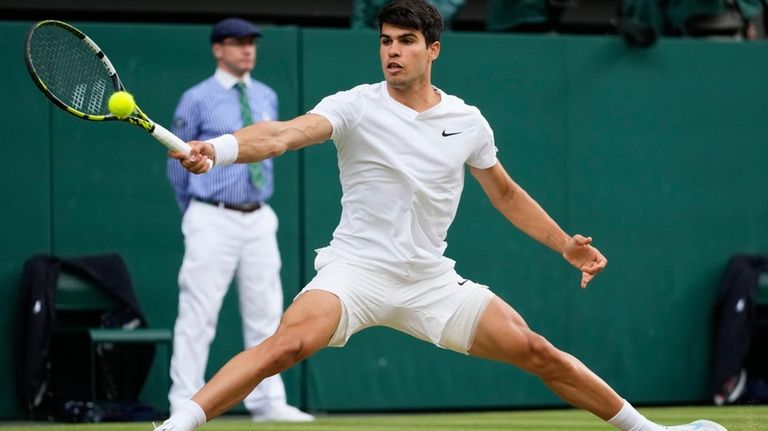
[[579, 252]]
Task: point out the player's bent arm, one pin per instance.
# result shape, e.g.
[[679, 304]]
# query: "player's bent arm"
[[519, 208], [267, 139], [528, 216]]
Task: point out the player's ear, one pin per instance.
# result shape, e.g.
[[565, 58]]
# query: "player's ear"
[[434, 50]]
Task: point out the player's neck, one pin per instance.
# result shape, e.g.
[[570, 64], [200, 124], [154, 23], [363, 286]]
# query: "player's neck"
[[420, 98]]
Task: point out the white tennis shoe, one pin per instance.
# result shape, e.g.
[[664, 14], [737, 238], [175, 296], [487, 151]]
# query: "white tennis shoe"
[[165, 426], [281, 413], [699, 425]]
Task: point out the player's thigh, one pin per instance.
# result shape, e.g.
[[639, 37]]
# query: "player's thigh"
[[312, 318], [502, 334]]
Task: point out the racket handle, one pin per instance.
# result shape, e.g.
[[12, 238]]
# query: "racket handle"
[[173, 142]]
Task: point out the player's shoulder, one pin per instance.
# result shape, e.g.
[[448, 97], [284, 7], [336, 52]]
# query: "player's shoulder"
[[458, 105], [465, 112], [368, 88], [361, 91]]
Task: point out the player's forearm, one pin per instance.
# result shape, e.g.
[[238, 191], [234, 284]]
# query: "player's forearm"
[[528, 216]]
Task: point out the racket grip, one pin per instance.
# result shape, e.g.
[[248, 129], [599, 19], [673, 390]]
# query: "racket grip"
[[173, 142]]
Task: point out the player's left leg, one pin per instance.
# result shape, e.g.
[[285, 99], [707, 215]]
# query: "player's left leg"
[[503, 335]]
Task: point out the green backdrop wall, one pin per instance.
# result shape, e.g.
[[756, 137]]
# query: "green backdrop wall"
[[655, 153], [83, 188]]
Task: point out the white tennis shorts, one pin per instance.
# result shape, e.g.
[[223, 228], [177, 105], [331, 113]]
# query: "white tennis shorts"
[[443, 310]]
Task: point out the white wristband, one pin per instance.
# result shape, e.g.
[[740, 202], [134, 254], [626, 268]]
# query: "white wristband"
[[226, 149]]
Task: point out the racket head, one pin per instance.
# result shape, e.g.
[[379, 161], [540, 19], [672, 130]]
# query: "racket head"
[[71, 70], [76, 75]]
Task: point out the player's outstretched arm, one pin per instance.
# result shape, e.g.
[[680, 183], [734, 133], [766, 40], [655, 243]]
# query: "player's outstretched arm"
[[527, 215], [262, 140], [267, 139]]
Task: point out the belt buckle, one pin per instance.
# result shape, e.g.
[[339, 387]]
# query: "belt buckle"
[[251, 207]]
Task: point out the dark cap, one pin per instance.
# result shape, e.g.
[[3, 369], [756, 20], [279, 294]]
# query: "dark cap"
[[233, 27]]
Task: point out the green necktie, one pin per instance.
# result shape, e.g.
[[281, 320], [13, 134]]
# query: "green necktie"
[[255, 169]]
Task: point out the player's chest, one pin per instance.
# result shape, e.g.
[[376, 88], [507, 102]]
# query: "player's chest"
[[436, 143]]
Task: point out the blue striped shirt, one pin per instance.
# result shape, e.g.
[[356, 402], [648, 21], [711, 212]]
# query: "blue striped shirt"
[[210, 109]]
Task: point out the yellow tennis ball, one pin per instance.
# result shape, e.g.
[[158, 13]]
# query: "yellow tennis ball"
[[121, 104]]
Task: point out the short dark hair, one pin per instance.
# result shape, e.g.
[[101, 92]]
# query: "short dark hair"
[[416, 14]]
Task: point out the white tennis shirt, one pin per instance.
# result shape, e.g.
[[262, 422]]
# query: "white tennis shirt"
[[402, 173]]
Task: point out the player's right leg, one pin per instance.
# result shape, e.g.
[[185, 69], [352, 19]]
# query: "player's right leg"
[[260, 292], [307, 326]]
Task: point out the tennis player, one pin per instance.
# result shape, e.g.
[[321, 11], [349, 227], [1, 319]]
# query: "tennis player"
[[402, 146]]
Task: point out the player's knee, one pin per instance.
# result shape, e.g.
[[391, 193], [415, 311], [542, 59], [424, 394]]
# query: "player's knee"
[[286, 351], [542, 358]]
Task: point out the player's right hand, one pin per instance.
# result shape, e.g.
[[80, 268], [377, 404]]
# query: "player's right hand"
[[198, 161]]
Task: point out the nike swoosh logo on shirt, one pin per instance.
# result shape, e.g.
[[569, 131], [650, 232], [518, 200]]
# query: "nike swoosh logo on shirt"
[[449, 134]]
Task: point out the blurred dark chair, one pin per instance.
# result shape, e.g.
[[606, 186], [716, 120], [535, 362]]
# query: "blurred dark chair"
[[84, 308], [739, 370]]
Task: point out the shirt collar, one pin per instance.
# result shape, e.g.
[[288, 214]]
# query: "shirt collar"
[[228, 80], [408, 111]]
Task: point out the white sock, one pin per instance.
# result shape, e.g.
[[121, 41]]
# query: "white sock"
[[629, 419], [188, 417]]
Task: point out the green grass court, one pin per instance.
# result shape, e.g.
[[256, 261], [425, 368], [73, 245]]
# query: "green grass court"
[[741, 418]]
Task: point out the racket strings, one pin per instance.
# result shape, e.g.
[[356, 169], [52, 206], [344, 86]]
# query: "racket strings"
[[70, 70]]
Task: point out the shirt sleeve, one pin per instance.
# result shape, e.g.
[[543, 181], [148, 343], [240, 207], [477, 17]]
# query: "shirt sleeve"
[[185, 126], [484, 154], [342, 110]]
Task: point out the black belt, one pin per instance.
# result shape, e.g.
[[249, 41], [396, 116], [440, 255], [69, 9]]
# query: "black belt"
[[245, 208]]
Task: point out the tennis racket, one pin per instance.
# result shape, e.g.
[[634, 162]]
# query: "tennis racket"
[[76, 75]]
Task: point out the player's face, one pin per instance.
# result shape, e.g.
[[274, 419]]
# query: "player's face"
[[236, 55], [406, 59]]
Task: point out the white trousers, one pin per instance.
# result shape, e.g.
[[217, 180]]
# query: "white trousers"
[[219, 245]]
